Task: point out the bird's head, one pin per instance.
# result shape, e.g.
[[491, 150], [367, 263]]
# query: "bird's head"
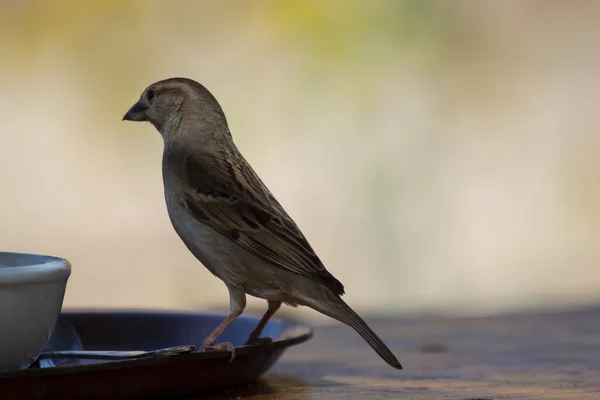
[[174, 98]]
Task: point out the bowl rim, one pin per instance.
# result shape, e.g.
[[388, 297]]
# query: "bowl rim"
[[40, 269]]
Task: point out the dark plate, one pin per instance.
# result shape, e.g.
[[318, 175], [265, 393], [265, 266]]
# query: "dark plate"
[[168, 376]]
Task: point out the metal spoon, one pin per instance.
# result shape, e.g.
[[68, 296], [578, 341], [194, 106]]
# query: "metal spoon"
[[116, 355]]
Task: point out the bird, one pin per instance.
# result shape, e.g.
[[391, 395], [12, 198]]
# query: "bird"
[[230, 221]]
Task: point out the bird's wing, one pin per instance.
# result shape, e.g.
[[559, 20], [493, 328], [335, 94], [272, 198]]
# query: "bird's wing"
[[229, 197]]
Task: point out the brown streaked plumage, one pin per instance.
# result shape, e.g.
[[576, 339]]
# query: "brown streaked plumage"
[[228, 218]]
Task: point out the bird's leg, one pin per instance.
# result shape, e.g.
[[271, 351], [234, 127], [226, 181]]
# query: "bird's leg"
[[254, 337], [237, 303]]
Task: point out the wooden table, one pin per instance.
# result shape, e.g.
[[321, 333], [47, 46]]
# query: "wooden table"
[[529, 356]]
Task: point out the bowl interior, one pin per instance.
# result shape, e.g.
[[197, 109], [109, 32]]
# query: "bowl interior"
[[8, 259], [32, 268]]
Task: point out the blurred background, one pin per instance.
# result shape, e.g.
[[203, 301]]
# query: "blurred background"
[[441, 156]]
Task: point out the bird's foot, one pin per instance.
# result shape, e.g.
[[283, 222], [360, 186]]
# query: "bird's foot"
[[208, 345], [261, 341]]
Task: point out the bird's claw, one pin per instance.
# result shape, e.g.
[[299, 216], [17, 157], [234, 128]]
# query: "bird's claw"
[[208, 346]]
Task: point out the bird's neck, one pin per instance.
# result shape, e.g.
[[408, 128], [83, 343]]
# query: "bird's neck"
[[169, 127]]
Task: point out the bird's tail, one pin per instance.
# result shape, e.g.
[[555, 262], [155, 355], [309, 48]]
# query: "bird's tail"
[[343, 313]]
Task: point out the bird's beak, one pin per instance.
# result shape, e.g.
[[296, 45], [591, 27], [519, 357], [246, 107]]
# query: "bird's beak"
[[136, 113]]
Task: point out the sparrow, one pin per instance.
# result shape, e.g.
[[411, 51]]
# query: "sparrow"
[[230, 221]]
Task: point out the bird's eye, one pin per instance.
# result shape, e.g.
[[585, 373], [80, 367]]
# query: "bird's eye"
[[150, 95]]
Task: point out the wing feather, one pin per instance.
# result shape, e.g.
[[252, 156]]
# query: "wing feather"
[[229, 197]]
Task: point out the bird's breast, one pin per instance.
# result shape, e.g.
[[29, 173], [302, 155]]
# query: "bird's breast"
[[213, 250]]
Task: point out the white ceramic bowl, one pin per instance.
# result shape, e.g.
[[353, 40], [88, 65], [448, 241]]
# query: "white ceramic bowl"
[[32, 288]]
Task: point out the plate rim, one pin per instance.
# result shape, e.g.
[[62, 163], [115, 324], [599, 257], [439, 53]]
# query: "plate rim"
[[306, 332]]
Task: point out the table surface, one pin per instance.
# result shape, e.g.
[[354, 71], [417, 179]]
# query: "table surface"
[[528, 356]]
